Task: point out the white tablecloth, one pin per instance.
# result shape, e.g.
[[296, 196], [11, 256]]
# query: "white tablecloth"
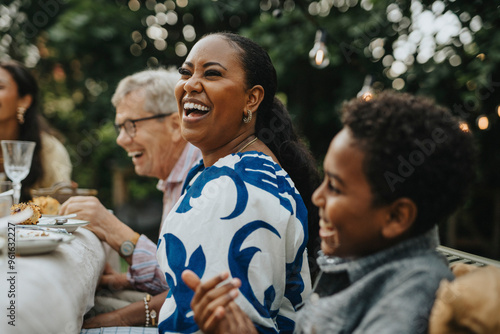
[[53, 291]]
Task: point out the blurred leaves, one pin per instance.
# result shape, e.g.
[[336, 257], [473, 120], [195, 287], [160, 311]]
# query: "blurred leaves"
[[82, 48], [85, 49]]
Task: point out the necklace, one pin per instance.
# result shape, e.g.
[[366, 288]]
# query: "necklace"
[[248, 144]]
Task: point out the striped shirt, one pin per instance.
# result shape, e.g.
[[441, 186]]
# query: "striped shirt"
[[145, 274]]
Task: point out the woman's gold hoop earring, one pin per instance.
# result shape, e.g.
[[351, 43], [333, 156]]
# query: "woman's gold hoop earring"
[[248, 118], [20, 114]]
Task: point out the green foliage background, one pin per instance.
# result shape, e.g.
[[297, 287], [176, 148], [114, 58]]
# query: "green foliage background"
[[85, 49]]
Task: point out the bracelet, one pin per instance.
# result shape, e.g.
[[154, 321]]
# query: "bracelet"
[[146, 308], [153, 318], [149, 315]]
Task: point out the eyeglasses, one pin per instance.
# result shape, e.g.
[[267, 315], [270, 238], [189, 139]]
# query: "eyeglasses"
[[129, 124]]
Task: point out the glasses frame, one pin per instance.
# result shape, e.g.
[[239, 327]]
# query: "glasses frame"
[[129, 124]]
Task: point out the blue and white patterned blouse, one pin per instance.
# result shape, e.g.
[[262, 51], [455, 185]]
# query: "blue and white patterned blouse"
[[241, 215]]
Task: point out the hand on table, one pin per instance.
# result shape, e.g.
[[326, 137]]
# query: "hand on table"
[[213, 306]]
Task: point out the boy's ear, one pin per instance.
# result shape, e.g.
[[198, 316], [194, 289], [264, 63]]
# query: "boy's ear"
[[402, 215]]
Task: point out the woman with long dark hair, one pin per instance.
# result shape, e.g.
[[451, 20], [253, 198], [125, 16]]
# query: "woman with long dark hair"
[[245, 207], [20, 120]]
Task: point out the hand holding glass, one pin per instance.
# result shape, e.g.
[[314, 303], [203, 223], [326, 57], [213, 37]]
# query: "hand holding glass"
[[17, 156]]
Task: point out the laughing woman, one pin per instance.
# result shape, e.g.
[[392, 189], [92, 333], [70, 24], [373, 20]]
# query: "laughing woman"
[[245, 208]]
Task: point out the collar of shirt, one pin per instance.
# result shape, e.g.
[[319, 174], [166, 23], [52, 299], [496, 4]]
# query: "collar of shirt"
[[356, 268], [189, 157]]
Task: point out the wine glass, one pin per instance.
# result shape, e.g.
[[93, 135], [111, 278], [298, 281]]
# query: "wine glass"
[[17, 156]]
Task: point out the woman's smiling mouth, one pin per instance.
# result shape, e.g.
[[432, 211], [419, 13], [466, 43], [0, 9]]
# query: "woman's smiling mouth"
[[195, 109]]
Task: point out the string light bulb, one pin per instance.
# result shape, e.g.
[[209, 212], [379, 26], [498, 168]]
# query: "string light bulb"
[[464, 126], [318, 56], [366, 92]]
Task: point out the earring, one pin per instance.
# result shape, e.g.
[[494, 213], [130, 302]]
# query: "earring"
[[20, 114], [248, 118]]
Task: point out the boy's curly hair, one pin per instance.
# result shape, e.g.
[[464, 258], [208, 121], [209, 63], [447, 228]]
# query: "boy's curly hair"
[[414, 149]]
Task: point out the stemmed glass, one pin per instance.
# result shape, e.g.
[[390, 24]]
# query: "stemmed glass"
[[17, 156]]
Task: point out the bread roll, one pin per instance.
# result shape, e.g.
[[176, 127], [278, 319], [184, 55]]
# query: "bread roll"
[[48, 205], [33, 220]]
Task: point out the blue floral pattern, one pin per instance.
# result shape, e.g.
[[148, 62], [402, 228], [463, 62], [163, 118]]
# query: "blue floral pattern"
[[176, 254], [244, 215]]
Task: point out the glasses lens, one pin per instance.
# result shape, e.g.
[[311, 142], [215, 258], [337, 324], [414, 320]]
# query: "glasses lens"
[[129, 128], [117, 128]]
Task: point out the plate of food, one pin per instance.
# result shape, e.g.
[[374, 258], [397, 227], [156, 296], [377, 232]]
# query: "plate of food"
[[38, 218], [36, 240], [53, 221]]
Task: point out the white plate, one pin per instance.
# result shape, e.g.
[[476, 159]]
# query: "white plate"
[[31, 241], [69, 226]]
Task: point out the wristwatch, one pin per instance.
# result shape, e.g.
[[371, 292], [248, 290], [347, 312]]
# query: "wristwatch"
[[127, 247]]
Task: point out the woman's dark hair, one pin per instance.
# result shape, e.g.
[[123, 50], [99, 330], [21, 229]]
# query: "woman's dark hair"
[[414, 149], [30, 130], [274, 127]]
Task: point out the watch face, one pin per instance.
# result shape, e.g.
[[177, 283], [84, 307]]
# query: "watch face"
[[127, 248]]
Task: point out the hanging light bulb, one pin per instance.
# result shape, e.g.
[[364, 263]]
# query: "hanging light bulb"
[[464, 126], [366, 92], [318, 56]]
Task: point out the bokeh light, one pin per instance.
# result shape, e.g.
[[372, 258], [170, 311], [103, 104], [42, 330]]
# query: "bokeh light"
[[170, 4], [189, 33], [135, 50], [398, 84], [483, 122], [464, 127], [153, 62], [136, 36], [134, 5], [429, 35], [180, 49], [172, 17], [160, 44], [182, 3]]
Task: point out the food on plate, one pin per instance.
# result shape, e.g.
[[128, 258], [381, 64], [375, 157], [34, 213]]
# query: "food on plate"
[[33, 220], [48, 205], [31, 234]]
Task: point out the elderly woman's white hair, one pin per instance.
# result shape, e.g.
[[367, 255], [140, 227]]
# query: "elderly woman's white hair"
[[158, 86]]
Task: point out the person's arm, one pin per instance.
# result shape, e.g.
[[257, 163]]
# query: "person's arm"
[[213, 306], [144, 273], [131, 315], [103, 223], [114, 280]]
